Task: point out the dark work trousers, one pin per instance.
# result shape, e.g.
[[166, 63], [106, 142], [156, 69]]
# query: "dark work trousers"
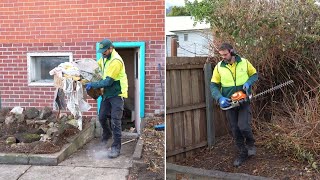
[[112, 107], [239, 119]]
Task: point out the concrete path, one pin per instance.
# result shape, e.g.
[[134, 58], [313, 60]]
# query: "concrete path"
[[90, 162]]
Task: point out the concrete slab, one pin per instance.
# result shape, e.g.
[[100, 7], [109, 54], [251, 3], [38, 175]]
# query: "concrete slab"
[[94, 154], [73, 173], [138, 150], [14, 158], [12, 171], [174, 171], [128, 135]]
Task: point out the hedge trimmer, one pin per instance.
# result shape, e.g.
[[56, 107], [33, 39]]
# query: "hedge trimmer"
[[240, 97]]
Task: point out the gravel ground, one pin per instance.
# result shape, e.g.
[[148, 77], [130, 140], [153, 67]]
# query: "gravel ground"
[[152, 163]]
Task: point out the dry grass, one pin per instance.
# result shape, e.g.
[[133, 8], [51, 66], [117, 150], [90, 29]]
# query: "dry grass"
[[296, 136]]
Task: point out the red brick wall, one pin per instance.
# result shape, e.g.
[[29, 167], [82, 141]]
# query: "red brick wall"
[[75, 26]]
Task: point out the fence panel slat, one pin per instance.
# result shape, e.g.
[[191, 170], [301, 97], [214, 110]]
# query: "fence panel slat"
[[202, 98], [177, 117], [169, 119], [186, 128], [186, 100], [168, 90], [196, 98]]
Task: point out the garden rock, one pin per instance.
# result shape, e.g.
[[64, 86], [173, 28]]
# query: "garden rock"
[[51, 131], [21, 129], [70, 116], [61, 127], [30, 122], [32, 113], [45, 113], [3, 113], [40, 131], [45, 137], [51, 124], [20, 118], [64, 119], [40, 121], [73, 122], [28, 137], [14, 145], [11, 140], [43, 128], [10, 118], [52, 118], [2, 118]]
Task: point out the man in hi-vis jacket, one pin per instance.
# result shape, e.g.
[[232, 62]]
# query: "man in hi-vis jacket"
[[115, 85], [230, 75]]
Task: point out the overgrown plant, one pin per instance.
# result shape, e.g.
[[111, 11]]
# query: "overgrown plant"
[[282, 39]]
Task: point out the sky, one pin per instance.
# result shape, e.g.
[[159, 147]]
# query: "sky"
[[181, 2], [177, 2], [174, 3]]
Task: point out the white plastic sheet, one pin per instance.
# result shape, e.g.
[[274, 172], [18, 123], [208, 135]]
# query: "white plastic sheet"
[[75, 102], [73, 90], [17, 110], [89, 69]]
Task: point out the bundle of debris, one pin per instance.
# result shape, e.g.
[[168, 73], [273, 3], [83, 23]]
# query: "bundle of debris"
[[69, 79]]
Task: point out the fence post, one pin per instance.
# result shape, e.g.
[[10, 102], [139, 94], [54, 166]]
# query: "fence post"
[[174, 47], [209, 105]]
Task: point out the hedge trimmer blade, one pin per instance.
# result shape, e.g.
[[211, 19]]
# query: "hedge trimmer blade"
[[235, 103], [272, 89]]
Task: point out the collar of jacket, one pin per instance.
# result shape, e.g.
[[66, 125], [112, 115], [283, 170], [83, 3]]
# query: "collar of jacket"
[[238, 59]]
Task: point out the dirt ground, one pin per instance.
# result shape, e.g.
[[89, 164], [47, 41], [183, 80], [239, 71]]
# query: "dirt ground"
[[37, 147], [153, 153], [265, 163]]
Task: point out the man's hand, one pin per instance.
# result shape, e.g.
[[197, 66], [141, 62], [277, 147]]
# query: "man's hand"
[[88, 86], [246, 86], [224, 102]]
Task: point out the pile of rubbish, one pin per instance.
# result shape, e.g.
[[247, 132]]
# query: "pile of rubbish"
[[69, 78]]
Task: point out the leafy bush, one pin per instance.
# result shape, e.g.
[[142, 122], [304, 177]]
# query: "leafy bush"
[[282, 40]]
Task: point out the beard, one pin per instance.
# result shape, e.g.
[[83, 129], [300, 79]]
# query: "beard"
[[107, 56], [227, 60]]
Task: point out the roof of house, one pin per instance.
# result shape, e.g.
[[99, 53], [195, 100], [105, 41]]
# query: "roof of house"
[[182, 23]]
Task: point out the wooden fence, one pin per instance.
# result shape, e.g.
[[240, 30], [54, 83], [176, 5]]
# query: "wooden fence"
[[188, 126]]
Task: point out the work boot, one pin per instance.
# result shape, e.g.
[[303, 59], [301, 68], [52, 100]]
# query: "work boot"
[[115, 152], [104, 140], [240, 159], [252, 150], [243, 156]]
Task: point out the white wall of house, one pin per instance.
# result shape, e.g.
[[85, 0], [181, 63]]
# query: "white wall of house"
[[192, 43]]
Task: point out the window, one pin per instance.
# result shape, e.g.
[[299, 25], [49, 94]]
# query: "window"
[[185, 36], [39, 65]]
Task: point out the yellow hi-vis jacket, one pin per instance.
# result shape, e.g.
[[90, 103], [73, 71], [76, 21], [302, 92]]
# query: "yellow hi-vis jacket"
[[115, 69], [232, 77]]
